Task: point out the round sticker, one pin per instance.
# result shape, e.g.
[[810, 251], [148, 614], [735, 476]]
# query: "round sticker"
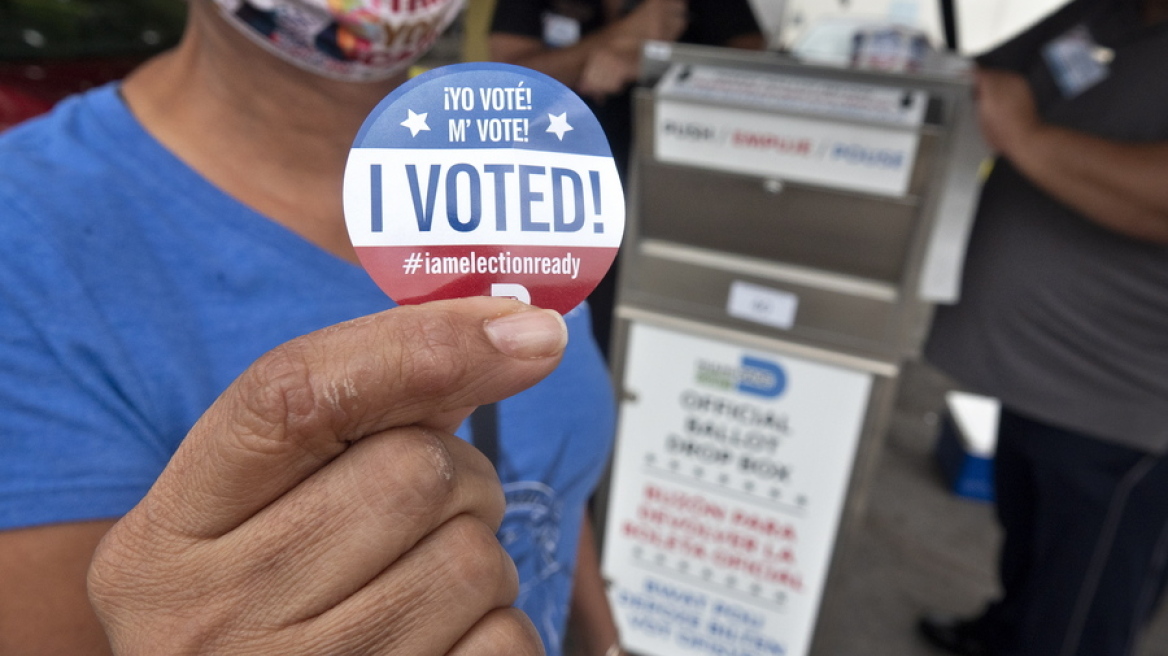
[[484, 179]]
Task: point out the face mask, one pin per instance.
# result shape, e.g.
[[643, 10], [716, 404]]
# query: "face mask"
[[352, 40]]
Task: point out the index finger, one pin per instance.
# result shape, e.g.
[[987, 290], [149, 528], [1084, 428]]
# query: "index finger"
[[300, 405]]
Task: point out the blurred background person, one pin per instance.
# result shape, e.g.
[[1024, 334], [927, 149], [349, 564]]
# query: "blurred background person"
[[1063, 316]]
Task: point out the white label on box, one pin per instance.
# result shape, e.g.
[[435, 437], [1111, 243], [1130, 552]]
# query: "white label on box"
[[839, 155], [764, 305]]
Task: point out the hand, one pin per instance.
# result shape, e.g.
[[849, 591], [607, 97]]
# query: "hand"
[[606, 73], [1006, 109], [614, 63], [321, 506], [657, 20]]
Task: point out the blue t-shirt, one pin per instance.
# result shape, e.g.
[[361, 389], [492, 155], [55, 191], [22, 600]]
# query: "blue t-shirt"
[[132, 292]]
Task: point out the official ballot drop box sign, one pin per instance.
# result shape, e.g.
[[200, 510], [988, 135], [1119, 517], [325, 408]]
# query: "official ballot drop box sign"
[[727, 489]]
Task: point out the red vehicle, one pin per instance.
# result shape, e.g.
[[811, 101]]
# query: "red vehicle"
[[52, 48]]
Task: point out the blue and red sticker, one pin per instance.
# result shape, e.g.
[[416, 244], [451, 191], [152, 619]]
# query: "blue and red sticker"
[[484, 179]]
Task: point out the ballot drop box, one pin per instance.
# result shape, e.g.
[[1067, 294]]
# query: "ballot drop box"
[[790, 228]]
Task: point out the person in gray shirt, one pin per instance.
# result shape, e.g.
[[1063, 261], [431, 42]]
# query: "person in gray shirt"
[[1063, 316]]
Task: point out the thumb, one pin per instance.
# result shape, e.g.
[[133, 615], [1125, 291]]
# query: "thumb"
[[302, 404]]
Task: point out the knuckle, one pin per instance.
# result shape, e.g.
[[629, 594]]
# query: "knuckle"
[[479, 563], [180, 608], [278, 388], [524, 635], [283, 404], [124, 564], [108, 579], [431, 354], [415, 476], [125, 587], [508, 632]]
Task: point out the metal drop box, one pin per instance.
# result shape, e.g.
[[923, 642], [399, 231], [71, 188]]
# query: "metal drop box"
[[790, 228]]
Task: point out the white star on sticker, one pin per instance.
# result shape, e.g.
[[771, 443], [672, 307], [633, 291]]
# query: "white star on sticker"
[[416, 122], [559, 125]]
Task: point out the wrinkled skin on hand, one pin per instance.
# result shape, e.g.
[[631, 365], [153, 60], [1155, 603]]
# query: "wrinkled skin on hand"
[[322, 505]]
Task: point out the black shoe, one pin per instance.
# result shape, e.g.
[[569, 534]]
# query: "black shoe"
[[953, 634]]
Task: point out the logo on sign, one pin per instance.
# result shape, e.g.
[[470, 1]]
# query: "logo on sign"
[[750, 376], [484, 179]]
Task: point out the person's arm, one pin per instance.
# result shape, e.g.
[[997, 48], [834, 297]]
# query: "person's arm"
[[1122, 186], [662, 20], [593, 628], [563, 64], [321, 505], [44, 609]]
